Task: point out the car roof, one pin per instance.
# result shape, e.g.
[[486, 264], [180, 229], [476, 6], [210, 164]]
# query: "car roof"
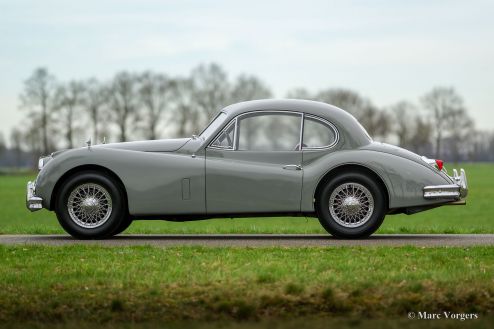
[[343, 120], [298, 105]]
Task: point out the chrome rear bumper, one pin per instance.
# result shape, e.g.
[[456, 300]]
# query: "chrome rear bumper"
[[452, 192], [33, 202]]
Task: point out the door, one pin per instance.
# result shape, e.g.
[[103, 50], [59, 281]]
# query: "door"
[[254, 165]]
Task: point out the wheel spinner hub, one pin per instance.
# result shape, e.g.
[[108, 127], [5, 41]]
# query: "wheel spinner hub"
[[90, 205], [351, 205]]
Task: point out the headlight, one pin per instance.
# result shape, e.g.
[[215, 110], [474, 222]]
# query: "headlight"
[[43, 161]]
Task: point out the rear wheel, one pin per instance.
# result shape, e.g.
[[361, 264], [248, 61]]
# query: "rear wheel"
[[91, 205], [351, 205]]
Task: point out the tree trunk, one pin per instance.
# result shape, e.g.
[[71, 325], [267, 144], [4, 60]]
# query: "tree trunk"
[[123, 128], [438, 144], [152, 130], [69, 129], [123, 135], [44, 127], [94, 118], [95, 128]]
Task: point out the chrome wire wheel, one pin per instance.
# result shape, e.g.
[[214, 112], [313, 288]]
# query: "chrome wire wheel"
[[351, 205], [89, 205]]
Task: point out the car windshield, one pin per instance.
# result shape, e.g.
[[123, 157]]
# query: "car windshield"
[[217, 122]]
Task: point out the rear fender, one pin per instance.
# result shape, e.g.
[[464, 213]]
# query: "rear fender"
[[404, 179]]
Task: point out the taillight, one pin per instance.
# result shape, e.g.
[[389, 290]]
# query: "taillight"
[[437, 164], [440, 164]]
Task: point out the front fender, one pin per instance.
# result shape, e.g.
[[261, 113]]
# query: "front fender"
[[404, 179], [153, 180]]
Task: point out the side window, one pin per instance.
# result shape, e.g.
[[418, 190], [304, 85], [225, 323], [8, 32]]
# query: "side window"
[[226, 137], [269, 132], [317, 133]]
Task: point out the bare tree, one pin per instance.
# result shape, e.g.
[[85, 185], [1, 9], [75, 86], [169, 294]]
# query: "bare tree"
[[249, 87], [155, 91], [376, 121], [441, 103], [143, 101], [345, 99], [16, 146], [211, 90], [69, 98], [38, 96], [403, 117], [461, 130], [482, 146], [185, 110], [3, 147], [32, 140], [123, 101], [94, 99], [421, 136], [491, 146]]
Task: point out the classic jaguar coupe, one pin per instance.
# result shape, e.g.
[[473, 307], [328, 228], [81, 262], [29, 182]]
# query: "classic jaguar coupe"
[[256, 158]]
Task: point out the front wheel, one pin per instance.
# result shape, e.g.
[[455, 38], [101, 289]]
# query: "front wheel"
[[91, 205], [351, 205]]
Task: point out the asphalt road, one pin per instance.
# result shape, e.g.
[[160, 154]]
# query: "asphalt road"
[[257, 240]]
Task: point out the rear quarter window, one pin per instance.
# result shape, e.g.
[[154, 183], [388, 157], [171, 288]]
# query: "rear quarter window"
[[318, 133]]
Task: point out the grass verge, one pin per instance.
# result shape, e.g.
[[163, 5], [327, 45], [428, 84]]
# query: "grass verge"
[[144, 283]]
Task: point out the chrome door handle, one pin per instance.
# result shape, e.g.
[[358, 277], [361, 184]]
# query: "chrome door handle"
[[292, 167]]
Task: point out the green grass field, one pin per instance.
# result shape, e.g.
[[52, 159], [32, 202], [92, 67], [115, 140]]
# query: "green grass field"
[[476, 217]]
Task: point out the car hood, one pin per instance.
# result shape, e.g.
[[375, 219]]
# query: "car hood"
[[161, 145], [392, 149]]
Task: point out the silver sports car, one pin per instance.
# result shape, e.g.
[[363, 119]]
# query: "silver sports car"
[[257, 158]]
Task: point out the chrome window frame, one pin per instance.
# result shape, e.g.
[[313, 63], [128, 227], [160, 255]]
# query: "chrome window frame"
[[235, 142], [324, 121], [227, 148], [301, 132]]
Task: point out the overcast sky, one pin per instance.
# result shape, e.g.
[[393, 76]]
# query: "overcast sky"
[[387, 50]]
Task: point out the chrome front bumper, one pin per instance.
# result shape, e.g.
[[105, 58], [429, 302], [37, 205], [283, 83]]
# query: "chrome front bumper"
[[33, 202], [452, 192]]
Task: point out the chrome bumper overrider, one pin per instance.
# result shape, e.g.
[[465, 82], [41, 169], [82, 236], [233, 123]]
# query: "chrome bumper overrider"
[[453, 192], [33, 202]]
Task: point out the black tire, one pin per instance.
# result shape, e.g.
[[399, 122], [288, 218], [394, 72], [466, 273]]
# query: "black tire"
[[338, 226], [109, 224]]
